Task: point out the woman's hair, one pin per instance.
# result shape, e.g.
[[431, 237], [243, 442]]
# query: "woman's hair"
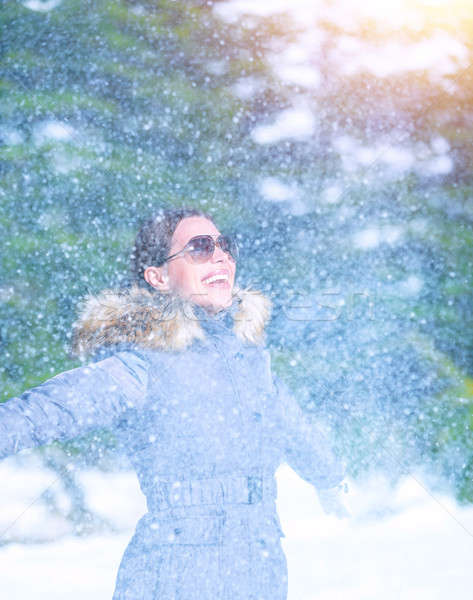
[[153, 240]]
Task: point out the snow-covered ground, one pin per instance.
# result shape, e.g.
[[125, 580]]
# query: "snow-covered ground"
[[400, 543]]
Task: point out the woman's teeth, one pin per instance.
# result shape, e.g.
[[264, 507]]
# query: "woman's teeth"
[[214, 278]]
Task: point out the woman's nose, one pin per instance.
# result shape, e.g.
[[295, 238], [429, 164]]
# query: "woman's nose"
[[218, 254]]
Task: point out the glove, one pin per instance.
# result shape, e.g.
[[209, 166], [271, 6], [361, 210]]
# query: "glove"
[[332, 501]]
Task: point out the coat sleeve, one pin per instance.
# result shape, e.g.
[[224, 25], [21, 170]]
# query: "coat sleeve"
[[303, 445], [73, 402]]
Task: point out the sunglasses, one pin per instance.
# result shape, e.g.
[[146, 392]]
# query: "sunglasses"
[[201, 248]]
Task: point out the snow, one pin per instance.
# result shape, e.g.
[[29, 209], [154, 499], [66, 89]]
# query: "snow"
[[41, 5], [246, 87], [395, 159], [439, 165], [402, 541], [295, 61], [52, 130], [274, 189], [298, 74], [25, 516], [411, 286], [233, 10], [332, 194], [295, 123], [371, 237], [10, 136], [440, 145], [441, 54], [390, 15], [354, 154]]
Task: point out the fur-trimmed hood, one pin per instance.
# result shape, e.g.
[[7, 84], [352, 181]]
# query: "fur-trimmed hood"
[[160, 321]]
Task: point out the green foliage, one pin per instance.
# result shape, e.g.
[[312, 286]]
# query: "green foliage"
[[142, 96]]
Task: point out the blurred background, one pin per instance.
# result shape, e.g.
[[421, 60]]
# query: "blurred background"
[[333, 138]]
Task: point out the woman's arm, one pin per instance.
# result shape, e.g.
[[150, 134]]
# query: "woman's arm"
[[304, 445], [73, 402]]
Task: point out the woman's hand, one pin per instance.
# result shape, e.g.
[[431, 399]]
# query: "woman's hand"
[[333, 502]]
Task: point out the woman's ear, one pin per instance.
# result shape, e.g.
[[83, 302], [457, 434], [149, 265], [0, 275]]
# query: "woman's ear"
[[158, 278]]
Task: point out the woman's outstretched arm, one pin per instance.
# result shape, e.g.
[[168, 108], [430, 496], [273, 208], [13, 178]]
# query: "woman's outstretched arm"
[[74, 402], [305, 447]]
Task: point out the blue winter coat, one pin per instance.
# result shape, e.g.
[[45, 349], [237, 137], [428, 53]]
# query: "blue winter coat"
[[205, 425]]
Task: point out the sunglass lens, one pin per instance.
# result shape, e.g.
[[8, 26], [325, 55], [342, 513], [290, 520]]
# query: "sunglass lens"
[[202, 247], [228, 244]]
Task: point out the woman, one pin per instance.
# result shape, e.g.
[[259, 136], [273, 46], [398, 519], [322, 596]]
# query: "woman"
[[181, 374]]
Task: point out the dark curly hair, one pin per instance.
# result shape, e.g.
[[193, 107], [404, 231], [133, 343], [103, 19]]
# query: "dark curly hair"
[[153, 240]]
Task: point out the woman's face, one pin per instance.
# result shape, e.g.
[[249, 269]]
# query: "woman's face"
[[191, 280]]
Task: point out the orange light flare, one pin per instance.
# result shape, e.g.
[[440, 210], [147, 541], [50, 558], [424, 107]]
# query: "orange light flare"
[[387, 16], [453, 16]]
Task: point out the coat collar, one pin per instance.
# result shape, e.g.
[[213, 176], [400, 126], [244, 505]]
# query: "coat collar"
[[160, 321]]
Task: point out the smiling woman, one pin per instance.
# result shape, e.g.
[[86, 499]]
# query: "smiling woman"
[[182, 376], [197, 268]]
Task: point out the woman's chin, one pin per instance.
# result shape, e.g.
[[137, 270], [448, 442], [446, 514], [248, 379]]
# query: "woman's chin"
[[217, 300]]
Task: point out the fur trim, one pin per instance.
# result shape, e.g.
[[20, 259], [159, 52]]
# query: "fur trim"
[[158, 321]]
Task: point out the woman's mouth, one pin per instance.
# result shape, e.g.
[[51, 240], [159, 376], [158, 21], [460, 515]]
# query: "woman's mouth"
[[219, 279]]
